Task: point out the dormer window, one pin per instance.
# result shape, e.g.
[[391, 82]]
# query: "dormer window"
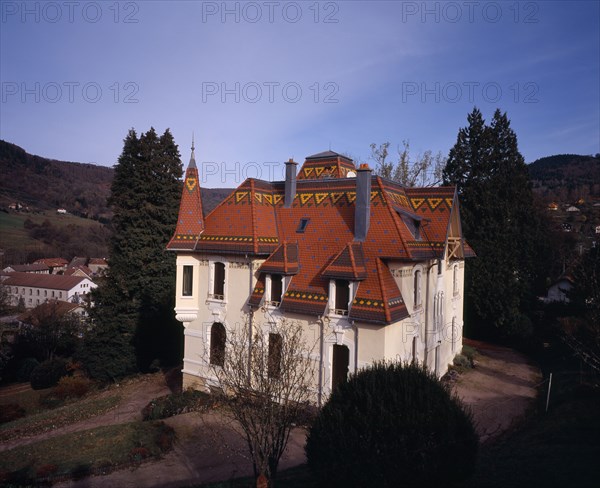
[[342, 297], [276, 290], [302, 225]]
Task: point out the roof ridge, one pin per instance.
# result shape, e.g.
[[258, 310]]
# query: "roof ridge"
[[352, 261]]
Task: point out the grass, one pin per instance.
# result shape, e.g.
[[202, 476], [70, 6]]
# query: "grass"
[[84, 452], [28, 399], [14, 235], [53, 419]]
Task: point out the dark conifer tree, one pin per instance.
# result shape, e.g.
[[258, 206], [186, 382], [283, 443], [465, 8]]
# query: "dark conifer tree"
[[133, 316], [500, 221]]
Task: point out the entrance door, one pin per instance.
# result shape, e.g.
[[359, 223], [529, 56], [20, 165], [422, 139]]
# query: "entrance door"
[[341, 361]]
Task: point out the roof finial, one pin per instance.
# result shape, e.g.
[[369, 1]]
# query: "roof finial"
[[193, 156]]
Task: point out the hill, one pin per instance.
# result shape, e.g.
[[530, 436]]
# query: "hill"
[[34, 187], [566, 177]]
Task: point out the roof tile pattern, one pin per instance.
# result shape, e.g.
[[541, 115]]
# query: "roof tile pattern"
[[326, 164], [313, 240], [190, 222]]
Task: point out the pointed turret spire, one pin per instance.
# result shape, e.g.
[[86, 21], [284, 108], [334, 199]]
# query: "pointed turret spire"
[[190, 223], [193, 156]]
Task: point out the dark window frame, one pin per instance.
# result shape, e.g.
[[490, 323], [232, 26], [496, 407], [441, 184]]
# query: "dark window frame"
[[218, 338], [187, 285]]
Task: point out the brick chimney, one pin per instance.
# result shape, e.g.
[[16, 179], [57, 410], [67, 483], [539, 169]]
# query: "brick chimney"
[[290, 183], [362, 209]]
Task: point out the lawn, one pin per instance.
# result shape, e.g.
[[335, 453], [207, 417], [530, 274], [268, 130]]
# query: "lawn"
[[85, 452], [53, 419]]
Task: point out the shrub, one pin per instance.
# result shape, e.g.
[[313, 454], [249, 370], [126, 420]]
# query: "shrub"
[[392, 425], [72, 387], [165, 437], [10, 412], [175, 404], [26, 367], [48, 373], [138, 454], [46, 470]]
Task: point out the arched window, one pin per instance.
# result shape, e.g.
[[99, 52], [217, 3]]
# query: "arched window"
[[217, 344]]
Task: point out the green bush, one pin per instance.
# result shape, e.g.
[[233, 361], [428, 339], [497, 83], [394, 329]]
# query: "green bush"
[[26, 367], [48, 373], [175, 404], [392, 425]]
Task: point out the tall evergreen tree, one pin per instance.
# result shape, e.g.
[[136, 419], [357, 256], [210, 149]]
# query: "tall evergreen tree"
[[500, 221], [133, 313]]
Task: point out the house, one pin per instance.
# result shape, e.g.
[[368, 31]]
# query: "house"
[[62, 211], [27, 268], [98, 266], [573, 209], [559, 290], [597, 229], [553, 206], [372, 270], [34, 289], [82, 271], [56, 265], [49, 308]]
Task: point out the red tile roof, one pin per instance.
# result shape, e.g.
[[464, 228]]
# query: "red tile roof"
[[405, 225], [52, 262], [190, 222], [50, 281]]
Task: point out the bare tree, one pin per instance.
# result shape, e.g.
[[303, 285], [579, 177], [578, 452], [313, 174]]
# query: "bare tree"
[[267, 379], [425, 170]]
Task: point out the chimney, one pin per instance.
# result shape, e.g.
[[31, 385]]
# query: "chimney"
[[362, 210], [290, 183]]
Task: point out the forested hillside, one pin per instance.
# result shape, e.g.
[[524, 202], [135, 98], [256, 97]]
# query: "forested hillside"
[[38, 186], [566, 177]]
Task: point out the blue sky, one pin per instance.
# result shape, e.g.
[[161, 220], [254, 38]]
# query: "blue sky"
[[260, 82]]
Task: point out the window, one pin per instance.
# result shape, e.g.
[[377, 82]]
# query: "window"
[[30, 291], [45, 293], [414, 350], [38, 292], [276, 289], [438, 311], [218, 281], [188, 276], [217, 344], [342, 296], [341, 361], [455, 279], [417, 289], [60, 294], [52, 293], [302, 225], [275, 350]]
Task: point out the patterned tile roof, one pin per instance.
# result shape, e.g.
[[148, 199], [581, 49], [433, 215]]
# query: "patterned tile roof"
[[313, 240], [284, 260], [190, 222], [327, 164]]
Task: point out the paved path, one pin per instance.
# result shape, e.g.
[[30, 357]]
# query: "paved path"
[[500, 389]]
